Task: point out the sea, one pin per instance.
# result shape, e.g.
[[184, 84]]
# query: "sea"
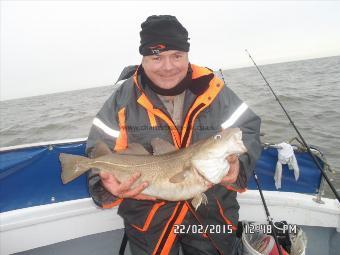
[[309, 90]]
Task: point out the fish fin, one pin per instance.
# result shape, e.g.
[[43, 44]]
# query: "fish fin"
[[101, 149], [135, 149], [72, 166], [161, 146], [198, 200], [180, 177]]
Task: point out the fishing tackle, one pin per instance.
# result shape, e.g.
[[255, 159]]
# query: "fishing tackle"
[[269, 218], [298, 132]]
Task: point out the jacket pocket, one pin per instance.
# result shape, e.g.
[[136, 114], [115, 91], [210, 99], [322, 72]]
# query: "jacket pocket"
[[139, 214]]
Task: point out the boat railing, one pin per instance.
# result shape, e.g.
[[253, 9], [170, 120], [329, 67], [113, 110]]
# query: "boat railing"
[[38, 144]]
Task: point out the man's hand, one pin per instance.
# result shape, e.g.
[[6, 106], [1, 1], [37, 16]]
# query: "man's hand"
[[234, 170], [123, 190]]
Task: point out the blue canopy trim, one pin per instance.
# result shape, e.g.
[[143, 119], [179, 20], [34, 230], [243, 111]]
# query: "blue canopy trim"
[[31, 176]]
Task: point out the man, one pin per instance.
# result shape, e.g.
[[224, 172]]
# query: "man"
[[169, 98]]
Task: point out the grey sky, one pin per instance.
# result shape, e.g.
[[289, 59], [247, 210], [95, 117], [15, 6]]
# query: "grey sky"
[[53, 46]]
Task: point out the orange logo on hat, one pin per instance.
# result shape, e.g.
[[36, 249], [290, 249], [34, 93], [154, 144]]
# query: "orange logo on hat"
[[158, 47]]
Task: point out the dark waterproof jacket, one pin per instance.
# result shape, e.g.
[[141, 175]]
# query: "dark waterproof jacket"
[[135, 114]]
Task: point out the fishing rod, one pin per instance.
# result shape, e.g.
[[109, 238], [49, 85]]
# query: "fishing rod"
[[269, 218], [298, 132]]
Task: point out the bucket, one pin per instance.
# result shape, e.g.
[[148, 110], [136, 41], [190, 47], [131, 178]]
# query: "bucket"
[[257, 242]]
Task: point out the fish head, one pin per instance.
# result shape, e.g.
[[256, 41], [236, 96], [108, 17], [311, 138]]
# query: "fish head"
[[209, 156]]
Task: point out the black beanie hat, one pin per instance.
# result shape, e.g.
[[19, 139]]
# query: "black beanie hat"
[[161, 33]]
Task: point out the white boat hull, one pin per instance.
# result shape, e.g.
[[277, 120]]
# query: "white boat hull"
[[30, 228]]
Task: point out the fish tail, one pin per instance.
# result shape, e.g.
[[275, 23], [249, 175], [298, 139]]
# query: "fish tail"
[[72, 166]]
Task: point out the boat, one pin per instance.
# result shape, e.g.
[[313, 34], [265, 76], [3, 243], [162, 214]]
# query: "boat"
[[40, 215]]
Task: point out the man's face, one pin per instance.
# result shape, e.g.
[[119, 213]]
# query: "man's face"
[[166, 69]]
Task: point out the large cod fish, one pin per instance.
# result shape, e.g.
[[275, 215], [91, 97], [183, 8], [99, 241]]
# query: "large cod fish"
[[172, 174]]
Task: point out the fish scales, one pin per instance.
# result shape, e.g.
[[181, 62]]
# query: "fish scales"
[[178, 175]]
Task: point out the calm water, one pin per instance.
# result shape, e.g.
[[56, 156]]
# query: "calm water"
[[309, 89]]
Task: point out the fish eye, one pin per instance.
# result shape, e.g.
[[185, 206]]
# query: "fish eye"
[[217, 137]]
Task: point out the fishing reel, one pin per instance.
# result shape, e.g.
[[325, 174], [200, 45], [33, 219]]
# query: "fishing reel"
[[283, 231]]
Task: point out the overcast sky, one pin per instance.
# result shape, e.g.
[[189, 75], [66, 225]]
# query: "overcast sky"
[[54, 46]]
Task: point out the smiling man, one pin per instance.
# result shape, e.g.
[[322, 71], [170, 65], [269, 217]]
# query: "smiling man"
[[170, 98], [166, 69]]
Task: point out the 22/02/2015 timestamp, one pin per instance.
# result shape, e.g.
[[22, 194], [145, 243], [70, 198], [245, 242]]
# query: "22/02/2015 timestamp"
[[203, 229]]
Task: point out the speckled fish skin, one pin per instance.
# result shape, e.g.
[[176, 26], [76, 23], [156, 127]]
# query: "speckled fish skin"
[[173, 176]]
